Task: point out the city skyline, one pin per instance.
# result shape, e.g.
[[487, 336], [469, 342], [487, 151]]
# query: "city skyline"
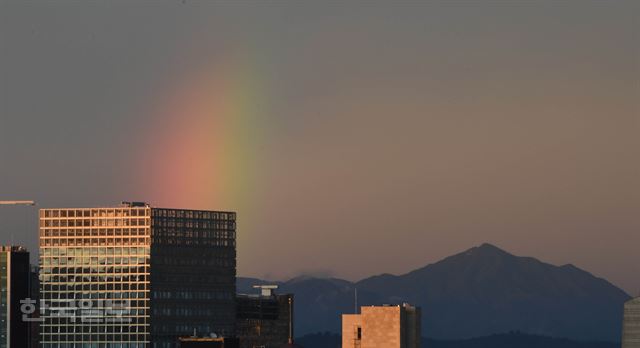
[[424, 128]]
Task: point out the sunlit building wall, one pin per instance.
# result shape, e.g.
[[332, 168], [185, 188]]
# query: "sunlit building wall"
[[382, 327]]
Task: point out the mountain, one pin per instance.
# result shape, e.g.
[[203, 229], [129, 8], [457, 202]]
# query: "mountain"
[[485, 290], [509, 340], [479, 292]]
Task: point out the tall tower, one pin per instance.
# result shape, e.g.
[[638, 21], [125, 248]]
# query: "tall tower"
[[135, 276], [631, 325], [14, 287]]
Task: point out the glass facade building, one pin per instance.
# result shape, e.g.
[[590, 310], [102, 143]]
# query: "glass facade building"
[[135, 276], [14, 287]]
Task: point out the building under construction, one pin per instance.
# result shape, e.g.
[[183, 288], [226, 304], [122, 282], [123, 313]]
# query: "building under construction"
[[264, 320]]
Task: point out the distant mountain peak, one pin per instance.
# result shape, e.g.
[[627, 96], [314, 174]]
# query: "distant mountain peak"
[[300, 278], [482, 254], [489, 248]]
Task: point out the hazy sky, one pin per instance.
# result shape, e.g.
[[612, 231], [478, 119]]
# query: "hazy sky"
[[352, 139]]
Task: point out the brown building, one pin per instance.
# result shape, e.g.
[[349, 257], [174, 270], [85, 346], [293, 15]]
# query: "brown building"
[[264, 320], [382, 327]]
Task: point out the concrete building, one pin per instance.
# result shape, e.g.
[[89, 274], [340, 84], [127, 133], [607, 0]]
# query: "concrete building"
[[382, 327], [264, 320], [14, 287], [135, 276], [631, 325]]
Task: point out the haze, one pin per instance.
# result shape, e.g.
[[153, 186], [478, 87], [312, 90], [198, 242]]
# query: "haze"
[[352, 139]]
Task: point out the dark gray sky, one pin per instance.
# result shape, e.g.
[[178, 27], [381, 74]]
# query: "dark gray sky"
[[352, 139]]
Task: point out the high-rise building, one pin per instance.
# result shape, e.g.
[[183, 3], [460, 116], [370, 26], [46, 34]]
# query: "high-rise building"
[[14, 287], [264, 320], [34, 316], [135, 276], [631, 325], [382, 327]]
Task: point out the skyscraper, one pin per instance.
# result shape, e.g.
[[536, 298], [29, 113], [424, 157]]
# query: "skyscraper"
[[34, 317], [14, 287], [382, 327], [631, 325], [135, 276]]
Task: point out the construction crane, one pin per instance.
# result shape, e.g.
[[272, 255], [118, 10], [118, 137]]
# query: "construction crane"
[[32, 203]]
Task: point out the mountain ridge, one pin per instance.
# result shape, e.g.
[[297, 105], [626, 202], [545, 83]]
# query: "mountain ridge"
[[477, 292]]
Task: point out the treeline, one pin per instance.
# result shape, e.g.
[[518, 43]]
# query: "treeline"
[[507, 340]]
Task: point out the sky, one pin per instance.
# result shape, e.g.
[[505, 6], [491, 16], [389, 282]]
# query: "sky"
[[352, 139]]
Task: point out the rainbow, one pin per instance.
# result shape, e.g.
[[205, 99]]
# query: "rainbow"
[[201, 149]]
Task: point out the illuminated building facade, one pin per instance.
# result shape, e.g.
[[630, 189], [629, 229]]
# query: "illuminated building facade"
[[382, 327], [135, 276], [14, 287]]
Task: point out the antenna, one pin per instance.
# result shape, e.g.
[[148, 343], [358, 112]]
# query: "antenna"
[[355, 292], [290, 319]]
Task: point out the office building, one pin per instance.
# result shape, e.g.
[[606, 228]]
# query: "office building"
[[264, 320], [382, 327], [14, 287], [34, 317], [135, 276], [631, 324]]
